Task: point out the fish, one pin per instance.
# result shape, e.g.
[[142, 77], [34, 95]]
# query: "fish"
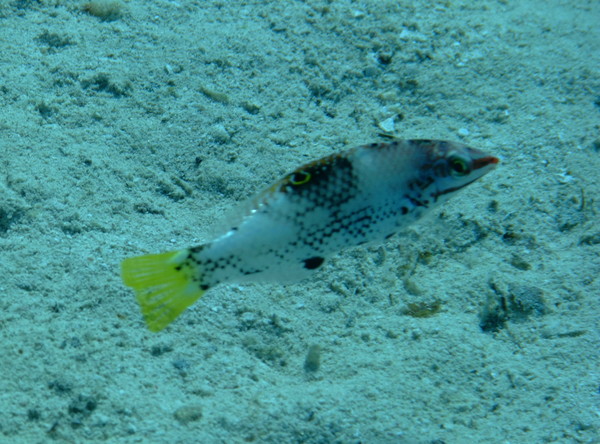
[[359, 196]]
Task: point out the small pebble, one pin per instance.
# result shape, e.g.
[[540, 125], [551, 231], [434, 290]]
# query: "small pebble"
[[219, 133], [388, 125]]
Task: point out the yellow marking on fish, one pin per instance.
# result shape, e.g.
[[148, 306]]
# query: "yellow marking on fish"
[[163, 284]]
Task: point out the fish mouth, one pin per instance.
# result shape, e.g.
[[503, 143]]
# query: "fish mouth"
[[482, 162], [453, 189]]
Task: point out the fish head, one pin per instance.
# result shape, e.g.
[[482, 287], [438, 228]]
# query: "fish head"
[[450, 167]]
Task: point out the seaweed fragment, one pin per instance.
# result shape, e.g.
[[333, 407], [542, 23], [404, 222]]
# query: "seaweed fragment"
[[422, 309], [514, 302]]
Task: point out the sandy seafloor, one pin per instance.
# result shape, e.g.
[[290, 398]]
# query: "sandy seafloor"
[[137, 133]]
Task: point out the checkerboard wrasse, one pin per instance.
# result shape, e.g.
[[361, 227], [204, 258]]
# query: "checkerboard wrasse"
[[361, 195]]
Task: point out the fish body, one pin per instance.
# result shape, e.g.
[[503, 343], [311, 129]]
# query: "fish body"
[[362, 195]]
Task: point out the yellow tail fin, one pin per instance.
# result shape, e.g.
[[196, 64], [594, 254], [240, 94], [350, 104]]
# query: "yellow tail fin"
[[165, 285]]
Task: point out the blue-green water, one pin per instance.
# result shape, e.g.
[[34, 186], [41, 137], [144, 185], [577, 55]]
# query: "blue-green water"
[[136, 127]]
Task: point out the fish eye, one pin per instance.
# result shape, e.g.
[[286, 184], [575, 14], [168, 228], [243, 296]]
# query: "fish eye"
[[300, 178], [459, 166]]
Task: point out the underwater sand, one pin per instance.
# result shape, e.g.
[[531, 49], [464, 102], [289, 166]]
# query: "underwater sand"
[[137, 128]]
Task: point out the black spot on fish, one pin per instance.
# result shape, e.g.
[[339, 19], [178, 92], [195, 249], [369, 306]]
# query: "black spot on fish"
[[416, 202], [313, 263], [250, 272], [329, 182]]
